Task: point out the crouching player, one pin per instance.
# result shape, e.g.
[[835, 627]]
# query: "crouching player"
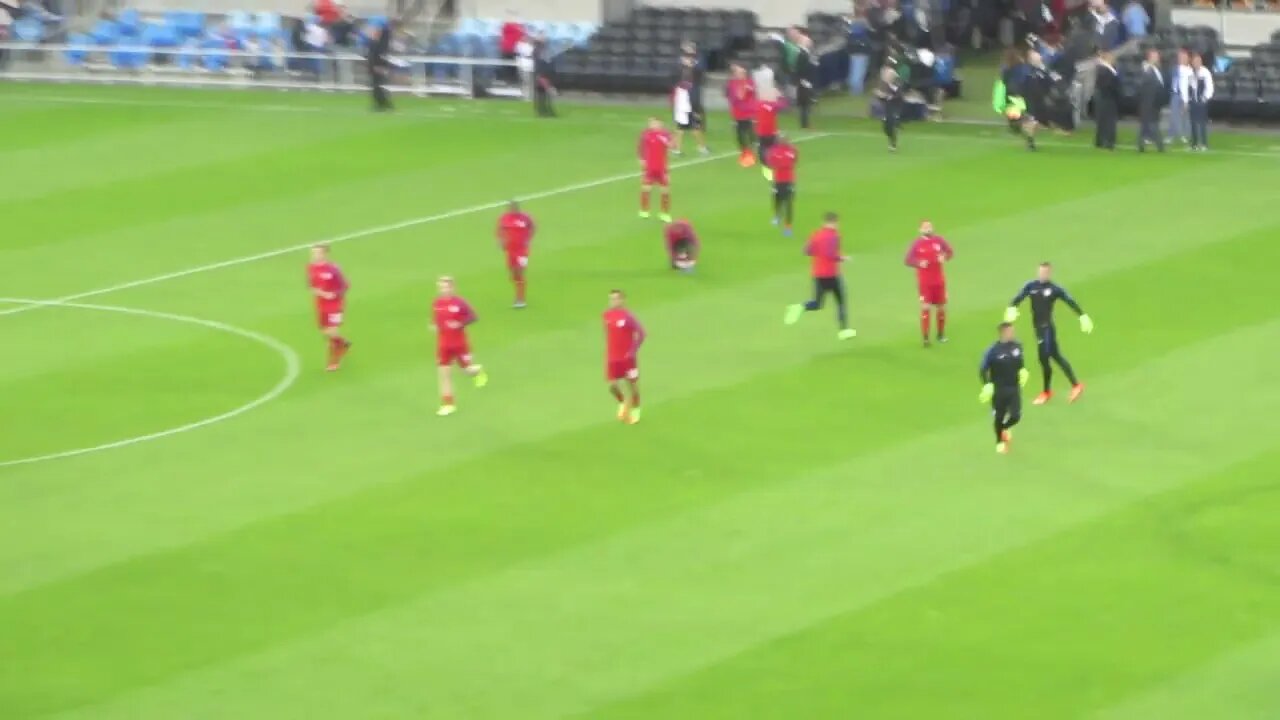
[[682, 245], [452, 315]]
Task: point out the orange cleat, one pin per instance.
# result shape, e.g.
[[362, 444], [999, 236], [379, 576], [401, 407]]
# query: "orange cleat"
[[1076, 391], [748, 159], [1043, 398]]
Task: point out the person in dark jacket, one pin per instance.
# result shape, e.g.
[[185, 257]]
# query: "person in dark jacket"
[[544, 87], [1106, 102], [379, 67], [806, 78], [1153, 91], [860, 49]]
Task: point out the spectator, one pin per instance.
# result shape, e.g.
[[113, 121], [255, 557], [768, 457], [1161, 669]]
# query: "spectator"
[[1178, 96], [328, 12], [859, 50], [1199, 93], [315, 39], [524, 64], [513, 34], [1136, 20], [1106, 27]]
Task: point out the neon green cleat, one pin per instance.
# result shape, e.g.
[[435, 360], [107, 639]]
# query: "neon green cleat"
[[644, 214], [768, 174], [793, 314], [665, 217], [624, 412], [847, 334], [481, 378], [1002, 448], [634, 417], [446, 410]]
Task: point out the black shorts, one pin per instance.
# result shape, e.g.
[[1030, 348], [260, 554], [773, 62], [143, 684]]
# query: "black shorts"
[[766, 142], [784, 190], [822, 286], [1007, 402], [744, 126], [682, 247]]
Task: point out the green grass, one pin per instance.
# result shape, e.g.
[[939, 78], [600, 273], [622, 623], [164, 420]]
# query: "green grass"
[[801, 528]]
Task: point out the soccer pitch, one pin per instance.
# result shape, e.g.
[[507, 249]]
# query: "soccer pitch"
[[800, 528]]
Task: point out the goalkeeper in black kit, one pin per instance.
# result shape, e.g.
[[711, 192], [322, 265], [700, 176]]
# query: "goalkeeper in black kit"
[[1043, 293], [1003, 374]]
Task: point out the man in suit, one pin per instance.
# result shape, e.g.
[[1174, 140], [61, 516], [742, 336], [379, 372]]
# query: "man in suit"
[[806, 76], [379, 67], [544, 87], [1106, 102], [1152, 94]]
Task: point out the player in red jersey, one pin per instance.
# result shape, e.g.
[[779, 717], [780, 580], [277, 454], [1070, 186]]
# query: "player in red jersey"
[[515, 230], [824, 251], [452, 315], [329, 288], [655, 143], [767, 126], [682, 245], [623, 337], [781, 160], [927, 255], [741, 92]]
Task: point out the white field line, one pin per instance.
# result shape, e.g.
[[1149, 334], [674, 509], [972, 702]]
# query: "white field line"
[[359, 234], [292, 365]]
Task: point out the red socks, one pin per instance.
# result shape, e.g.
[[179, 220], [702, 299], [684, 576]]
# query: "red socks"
[[644, 201], [635, 395], [337, 347], [942, 322], [520, 291], [924, 324], [666, 202]]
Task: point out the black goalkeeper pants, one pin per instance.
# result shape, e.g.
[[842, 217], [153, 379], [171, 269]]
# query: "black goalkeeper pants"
[[1006, 409], [1049, 353]]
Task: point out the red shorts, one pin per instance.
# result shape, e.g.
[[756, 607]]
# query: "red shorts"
[[446, 356], [655, 177], [616, 370], [933, 294], [517, 260], [329, 315]]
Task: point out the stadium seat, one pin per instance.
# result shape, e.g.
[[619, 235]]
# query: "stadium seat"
[[239, 20], [28, 30], [105, 32], [267, 24], [129, 22], [77, 52]]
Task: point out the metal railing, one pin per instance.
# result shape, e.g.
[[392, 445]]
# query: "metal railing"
[[268, 68]]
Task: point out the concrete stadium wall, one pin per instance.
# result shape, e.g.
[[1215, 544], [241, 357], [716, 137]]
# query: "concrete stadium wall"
[[772, 13]]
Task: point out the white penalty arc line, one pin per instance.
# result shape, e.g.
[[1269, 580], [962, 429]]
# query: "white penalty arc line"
[[292, 368], [367, 232]]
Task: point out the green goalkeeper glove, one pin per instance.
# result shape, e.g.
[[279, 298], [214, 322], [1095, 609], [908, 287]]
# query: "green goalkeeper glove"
[[987, 391], [1023, 375], [1010, 314], [1086, 324]]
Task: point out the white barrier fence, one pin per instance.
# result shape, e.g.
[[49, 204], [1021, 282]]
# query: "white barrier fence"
[[268, 68]]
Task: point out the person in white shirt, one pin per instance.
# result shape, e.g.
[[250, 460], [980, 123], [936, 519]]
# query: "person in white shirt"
[[1199, 89], [684, 116], [524, 64], [1178, 98]]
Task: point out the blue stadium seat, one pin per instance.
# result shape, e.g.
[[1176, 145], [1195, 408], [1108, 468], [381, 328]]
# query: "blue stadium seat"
[[77, 53], [105, 32], [267, 24], [239, 20], [470, 26], [537, 27], [28, 30], [129, 22], [379, 21], [214, 60], [159, 36], [189, 24]]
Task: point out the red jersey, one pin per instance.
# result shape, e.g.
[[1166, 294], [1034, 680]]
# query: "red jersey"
[[824, 248], [927, 255], [515, 230], [782, 159], [681, 231], [326, 277], [452, 316], [653, 148], [766, 118], [623, 334], [742, 98]]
